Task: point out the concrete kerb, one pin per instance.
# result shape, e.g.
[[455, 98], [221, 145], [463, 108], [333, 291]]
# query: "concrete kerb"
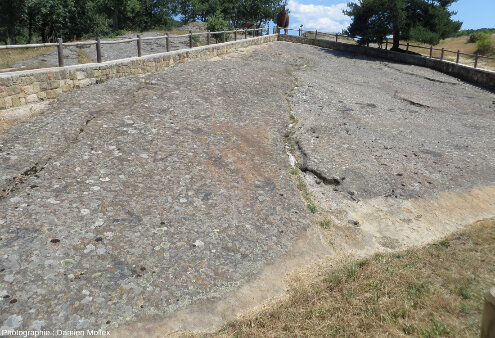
[[19, 88], [479, 77]]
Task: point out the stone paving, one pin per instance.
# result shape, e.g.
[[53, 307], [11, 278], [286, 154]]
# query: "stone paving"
[[144, 194]]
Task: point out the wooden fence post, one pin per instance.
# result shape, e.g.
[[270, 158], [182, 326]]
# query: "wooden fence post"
[[223, 36], [431, 52], [190, 39], [441, 55], [60, 52], [245, 33], [208, 38], [139, 45], [488, 321], [407, 47], [316, 33], [235, 34], [476, 60], [98, 49], [167, 40], [386, 44], [337, 37], [457, 59]]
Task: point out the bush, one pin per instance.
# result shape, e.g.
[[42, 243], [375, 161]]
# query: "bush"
[[216, 23], [484, 45], [477, 36]]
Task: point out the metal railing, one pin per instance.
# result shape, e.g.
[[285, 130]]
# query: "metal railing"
[[225, 35], [477, 57]]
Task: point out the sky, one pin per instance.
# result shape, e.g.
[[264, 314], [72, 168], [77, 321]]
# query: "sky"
[[327, 16]]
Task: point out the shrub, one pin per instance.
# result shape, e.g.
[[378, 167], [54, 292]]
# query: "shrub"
[[477, 36], [216, 23], [484, 44]]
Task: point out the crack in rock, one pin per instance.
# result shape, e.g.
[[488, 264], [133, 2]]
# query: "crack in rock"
[[37, 167], [83, 128], [307, 169], [420, 76], [411, 102], [21, 178]]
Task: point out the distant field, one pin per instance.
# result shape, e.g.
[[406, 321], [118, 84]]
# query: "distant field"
[[432, 291]]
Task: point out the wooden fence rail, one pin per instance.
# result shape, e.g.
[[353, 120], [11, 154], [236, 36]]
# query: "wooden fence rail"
[[139, 39], [314, 34]]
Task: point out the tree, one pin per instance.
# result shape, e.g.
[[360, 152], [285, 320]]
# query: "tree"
[[234, 11], [156, 13], [11, 18], [426, 21]]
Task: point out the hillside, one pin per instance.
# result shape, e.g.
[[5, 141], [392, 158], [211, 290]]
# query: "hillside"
[[462, 44]]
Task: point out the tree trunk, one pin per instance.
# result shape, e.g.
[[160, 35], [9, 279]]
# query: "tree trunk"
[[30, 29], [12, 35], [116, 19], [396, 45], [150, 15]]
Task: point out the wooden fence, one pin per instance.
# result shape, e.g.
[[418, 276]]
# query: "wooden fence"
[[386, 43], [139, 39]]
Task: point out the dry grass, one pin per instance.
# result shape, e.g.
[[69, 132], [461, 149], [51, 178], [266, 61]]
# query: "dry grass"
[[460, 43], [83, 57], [11, 56], [431, 291]]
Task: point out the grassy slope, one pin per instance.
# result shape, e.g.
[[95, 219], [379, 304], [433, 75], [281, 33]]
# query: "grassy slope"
[[432, 291], [458, 43]]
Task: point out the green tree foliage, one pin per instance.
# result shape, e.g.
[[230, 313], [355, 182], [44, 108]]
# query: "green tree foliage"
[[426, 21], [216, 23], [236, 12], [11, 19], [26, 21], [483, 42]]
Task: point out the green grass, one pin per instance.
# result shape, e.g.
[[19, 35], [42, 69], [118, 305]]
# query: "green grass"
[[325, 224], [311, 207]]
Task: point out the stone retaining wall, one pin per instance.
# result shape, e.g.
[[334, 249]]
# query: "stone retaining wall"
[[18, 88], [479, 77]]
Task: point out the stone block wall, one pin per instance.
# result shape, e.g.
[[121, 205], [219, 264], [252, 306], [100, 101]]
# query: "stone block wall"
[[479, 77], [19, 88]]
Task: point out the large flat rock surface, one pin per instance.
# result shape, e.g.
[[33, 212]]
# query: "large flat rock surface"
[[144, 194], [395, 155], [392, 130]]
